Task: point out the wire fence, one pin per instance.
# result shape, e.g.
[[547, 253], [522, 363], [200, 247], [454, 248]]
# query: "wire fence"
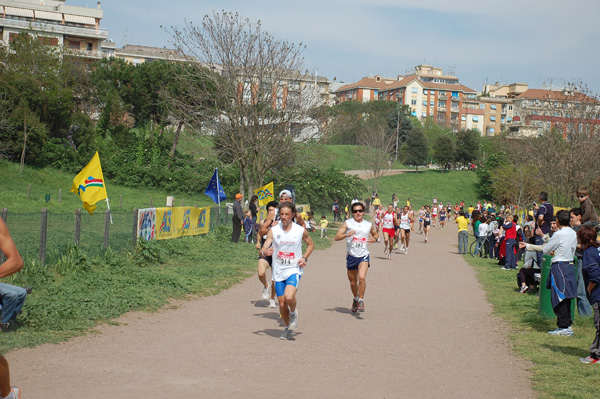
[[44, 236]]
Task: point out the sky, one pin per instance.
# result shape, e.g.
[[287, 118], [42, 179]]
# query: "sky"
[[540, 43]]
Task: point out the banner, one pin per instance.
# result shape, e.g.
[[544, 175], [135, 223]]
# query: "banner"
[[181, 221], [265, 194], [89, 184], [146, 223]]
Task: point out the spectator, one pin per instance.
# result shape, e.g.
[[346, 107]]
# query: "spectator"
[[336, 211], [481, 233], [463, 232], [526, 275], [510, 238], [248, 226], [238, 218], [588, 212], [583, 305], [591, 277], [254, 208], [543, 213], [323, 223]]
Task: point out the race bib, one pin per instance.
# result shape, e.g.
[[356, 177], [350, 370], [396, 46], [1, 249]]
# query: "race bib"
[[359, 242], [286, 258]]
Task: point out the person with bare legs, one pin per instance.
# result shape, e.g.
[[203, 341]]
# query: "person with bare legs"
[[389, 221], [405, 222], [284, 243], [426, 222], [265, 262]]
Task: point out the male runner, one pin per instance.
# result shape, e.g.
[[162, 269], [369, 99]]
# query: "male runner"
[[288, 263], [356, 232], [443, 216], [411, 215], [398, 212], [264, 262], [434, 213], [426, 222], [378, 219], [405, 221], [389, 221]]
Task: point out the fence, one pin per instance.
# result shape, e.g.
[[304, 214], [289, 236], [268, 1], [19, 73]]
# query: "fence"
[[46, 235]]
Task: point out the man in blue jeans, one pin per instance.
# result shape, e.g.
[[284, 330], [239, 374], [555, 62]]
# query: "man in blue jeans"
[[13, 297]]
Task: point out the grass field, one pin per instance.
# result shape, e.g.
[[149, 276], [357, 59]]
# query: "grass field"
[[556, 371], [421, 187], [344, 157]]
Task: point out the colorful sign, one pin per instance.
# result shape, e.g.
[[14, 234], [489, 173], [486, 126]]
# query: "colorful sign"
[[181, 221], [146, 223]]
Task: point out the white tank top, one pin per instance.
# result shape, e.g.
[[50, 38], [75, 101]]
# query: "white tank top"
[[356, 245], [404, 221], [388, 220], [287, 251]]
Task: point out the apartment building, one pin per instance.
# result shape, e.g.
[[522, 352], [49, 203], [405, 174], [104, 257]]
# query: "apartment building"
[[567, 110], [365, 90], [431, 93], [54, 23]]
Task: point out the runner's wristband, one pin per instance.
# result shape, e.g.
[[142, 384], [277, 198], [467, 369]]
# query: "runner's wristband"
[[305, 258]]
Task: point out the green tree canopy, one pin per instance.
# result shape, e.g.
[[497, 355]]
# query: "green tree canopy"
[[417, 148]]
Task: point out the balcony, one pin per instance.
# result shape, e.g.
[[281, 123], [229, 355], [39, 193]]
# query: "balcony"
[[442, 97], [454, 109], [47, 27], [442, 109]]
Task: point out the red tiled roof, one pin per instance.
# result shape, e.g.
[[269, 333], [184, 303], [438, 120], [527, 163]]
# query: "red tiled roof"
[[368, 82], [543, 94], [429, 85]]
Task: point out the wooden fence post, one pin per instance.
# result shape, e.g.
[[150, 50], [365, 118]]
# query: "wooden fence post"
[[43, 230], [77, 226], [135, 224], [106, 228], [150, 202], [3, 216], [182, 202], [59, 195]]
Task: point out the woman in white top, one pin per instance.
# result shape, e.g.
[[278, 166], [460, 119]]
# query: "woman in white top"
[[358, 233], [288, 262]]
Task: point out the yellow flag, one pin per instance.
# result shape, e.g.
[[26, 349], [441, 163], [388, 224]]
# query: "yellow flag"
[[89, 184], [265, 194]]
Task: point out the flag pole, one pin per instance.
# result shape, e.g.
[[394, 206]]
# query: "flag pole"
[[109, 212], [218, 197]]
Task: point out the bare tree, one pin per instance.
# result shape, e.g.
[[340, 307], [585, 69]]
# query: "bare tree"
[[377, 146], [246, 91]]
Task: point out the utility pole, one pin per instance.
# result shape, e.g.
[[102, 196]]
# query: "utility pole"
[[397, 131]]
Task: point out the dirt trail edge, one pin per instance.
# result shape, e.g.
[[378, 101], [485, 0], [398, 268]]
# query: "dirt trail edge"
[[427, 332]]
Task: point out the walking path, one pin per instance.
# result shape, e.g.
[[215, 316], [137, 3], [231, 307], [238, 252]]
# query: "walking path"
[[427, 332]]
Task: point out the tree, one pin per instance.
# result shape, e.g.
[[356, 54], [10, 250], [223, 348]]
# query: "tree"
[[417, 148], [516, 184], [376, 145], [245, 91], [467, 146], [444, 151]]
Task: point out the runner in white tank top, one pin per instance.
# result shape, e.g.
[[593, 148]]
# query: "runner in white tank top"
[[388, 223], [358, 233], [288, 263], [405, 220]]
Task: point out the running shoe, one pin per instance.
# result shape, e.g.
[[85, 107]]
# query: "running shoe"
[[589, 360], [537, 275], [563, 332], [293, 321], [272, 303], [286, 334], [385, 250], [524, 289], [361, 305], [389, 256], [405, 251], [425, 240], [266, 292], [354, 306], [396, 245], [505, 268]]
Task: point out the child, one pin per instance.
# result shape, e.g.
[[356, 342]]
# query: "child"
[[323, 223], [591, 277], [248, 226], [588, 212]]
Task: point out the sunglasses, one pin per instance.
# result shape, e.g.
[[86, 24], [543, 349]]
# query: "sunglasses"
[[357, 210], [581, 196]]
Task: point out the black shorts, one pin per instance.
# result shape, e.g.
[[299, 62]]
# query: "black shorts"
[[269, 259], [407, 231]]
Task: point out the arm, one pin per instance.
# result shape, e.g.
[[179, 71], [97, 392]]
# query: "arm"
[[14, 262], [267, 249], [310, 245], [552, 244], [374, 235], [342, 232], [586, 211], [300, 221]]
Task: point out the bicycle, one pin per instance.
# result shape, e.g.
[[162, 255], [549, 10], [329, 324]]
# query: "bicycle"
[[484, 251]]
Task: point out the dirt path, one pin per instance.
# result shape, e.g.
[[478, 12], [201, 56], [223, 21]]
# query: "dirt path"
[[427, 332]]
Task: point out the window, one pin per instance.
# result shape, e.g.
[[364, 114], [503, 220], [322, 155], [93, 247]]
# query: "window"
[[90, 46], [415, 90], [481, 106], [503, 119], [492, 119], [424, 114], [510, 119], [492, 130], [424, 103], [442, 92], [493, 106], [510, 107], [475, 119], [463, 118], [424, 91], [432, 103], [431, 91], [74, 45], [442, 103], [413, 102]]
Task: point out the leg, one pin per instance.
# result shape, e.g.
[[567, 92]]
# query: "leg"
[[402, 237], [353, 278], [363, 268], [595, 348], [4, 378], [407, 238], [13, 298], [563, 313], [263, 265], [583, 305]]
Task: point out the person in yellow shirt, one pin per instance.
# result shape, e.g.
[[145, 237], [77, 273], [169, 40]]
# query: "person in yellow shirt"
[[376, 201], [463, 232], [323, 223], [470, 209]]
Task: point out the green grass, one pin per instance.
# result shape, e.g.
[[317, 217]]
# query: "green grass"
[[344, 157], [14, 192], [556, 372], [423, 186]]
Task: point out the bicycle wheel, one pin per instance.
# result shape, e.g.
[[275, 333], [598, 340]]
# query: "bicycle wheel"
[[472, 248], [486, 248]]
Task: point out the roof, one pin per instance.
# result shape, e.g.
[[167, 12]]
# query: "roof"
[[543, 94], [368, 82], [429, 85]]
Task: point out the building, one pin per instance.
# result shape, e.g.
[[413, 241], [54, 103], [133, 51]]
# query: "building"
[[135, 54], [54, 23], [505, 91], [567, 110], [432, 94], [497, 113], [365, 90]]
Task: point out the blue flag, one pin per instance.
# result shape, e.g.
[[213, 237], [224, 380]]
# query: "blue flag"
[[214, 189]]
